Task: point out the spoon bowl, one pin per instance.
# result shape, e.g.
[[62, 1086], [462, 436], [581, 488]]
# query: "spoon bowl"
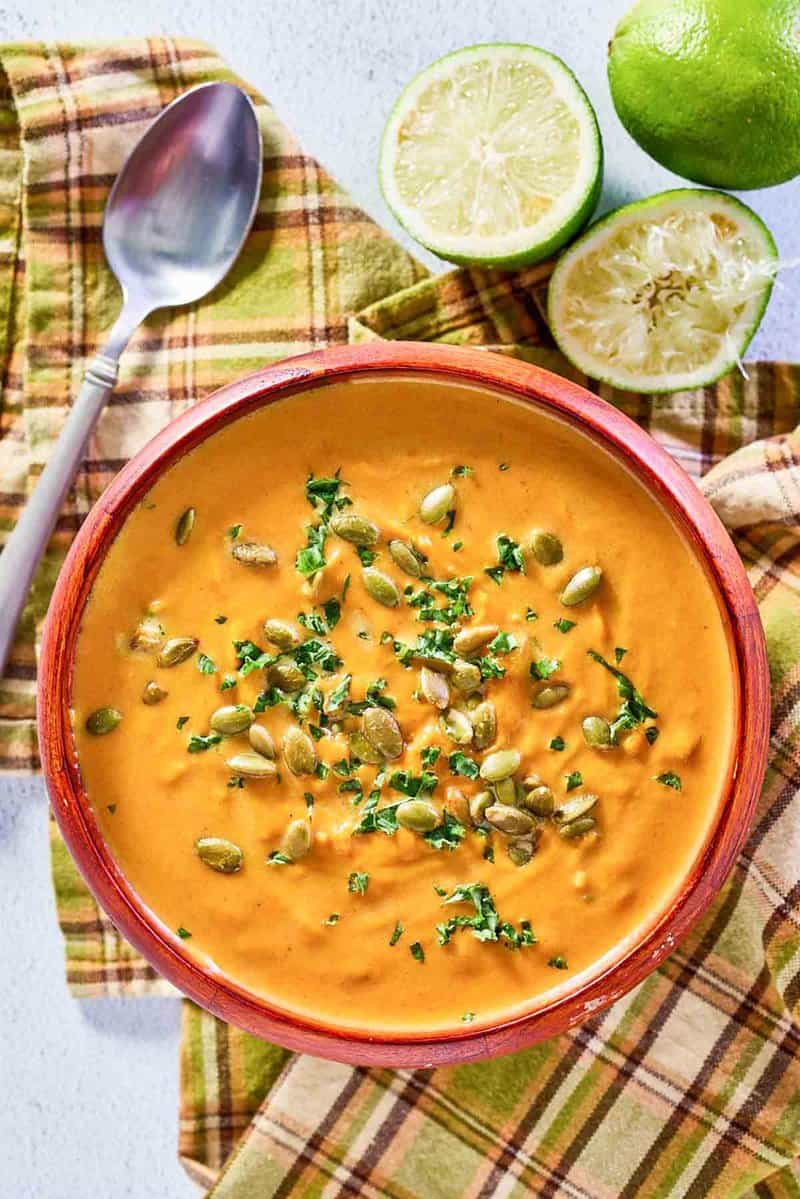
[[183, 204]]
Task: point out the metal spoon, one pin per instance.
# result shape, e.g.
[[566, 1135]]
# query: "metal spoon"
[[176, 219]]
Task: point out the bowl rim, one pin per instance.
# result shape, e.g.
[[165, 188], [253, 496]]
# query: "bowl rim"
[[641, 952]]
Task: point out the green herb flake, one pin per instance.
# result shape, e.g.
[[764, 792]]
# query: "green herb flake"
[[321, 770], [651, 733], [397, 933], [542, 668], [236, 782], [205, 664], [199, 744], [276, 858], [334, 918], [468, 1018], [485, 924], [430, 755], [357, 883], [503, 643], [633, 710], [234, 531], [619, 654], [504, 466], [670, 779], [530, 614], [462, 764], [228, 681], [574, 780], [457, 545], [558, 743], [447, 835], [488, 854], [563, 625], [309, 798], [111, 808], [559, 963], [181, 721], [417, 952], [183, 933], [440, 891], [367, 557], [461, 472], [220, 619]]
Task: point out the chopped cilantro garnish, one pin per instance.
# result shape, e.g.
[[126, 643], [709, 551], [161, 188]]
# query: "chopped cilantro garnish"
[[366, 556], [228, 681], [461, 472], [633, 709], [332, 919], [503, 643], [414, 785], [468, 1017], [509, 558], [456, 591], [220, 619], [111, 807], [417, 952], [504, 466], [485, 924], [574, 780], [542, 668], [447, 835], [309, 798], [183, 933], [559, 963], [464, 765], [234, 531], [236, 782], [488, 853], [276, 858], [563, 625], [205, 664], [338, 697], [651, 734], [558, 743], [530, 614], [357, 883], [619, 654], [321, 770], [430, 755], [457, 545], [397, 933], [352, 787], [670, 779], [323, 495], [198, 743], [316, 732], [181, 721]]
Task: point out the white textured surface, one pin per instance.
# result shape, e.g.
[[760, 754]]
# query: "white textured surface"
[[90, 1090]]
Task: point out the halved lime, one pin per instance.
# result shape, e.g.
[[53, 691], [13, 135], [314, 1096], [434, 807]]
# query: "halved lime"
[[666, 293], [492, 155]]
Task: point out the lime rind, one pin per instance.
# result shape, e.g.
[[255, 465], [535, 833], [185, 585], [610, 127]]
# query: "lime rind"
[[664, 294], [476, 186]]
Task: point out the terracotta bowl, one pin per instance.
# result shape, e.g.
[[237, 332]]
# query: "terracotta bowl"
[[659, 474]]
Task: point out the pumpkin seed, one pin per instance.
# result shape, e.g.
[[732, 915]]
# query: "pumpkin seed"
[[102, 721], [177, 650], [484, 724], [437, 503], [547, 695], [509, 820], [232, 719], [381, 587], [456, 803], [520, 850], [505, 791], [546, 548], [221, 855], [597, 732], [573, 809], [466, 676], [500, 765], [404, 556], [457, 726], [581, 586], [261, 740], [578, 828], [153, 694], [383, 732], [540, 800], [297, 840], [286, 675], [299, 752], [478, 805], [149, 635], [254, 553], [283, 635], [441, 665], [434, 687], [354, 528], [252, 765], [469, 640], [184, 526], [360, 748], [417, 815]]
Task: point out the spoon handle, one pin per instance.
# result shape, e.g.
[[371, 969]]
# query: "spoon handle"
[[27, 543]]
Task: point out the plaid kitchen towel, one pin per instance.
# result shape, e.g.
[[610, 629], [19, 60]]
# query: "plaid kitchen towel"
[[691, 1085]]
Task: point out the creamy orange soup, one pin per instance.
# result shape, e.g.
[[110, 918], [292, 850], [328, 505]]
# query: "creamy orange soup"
[[418, 796]]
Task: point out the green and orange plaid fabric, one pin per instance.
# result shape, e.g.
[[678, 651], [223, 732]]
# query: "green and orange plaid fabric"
[[690, 1086]]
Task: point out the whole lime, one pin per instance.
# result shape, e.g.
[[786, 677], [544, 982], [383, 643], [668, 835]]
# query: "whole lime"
[[711, 88]]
